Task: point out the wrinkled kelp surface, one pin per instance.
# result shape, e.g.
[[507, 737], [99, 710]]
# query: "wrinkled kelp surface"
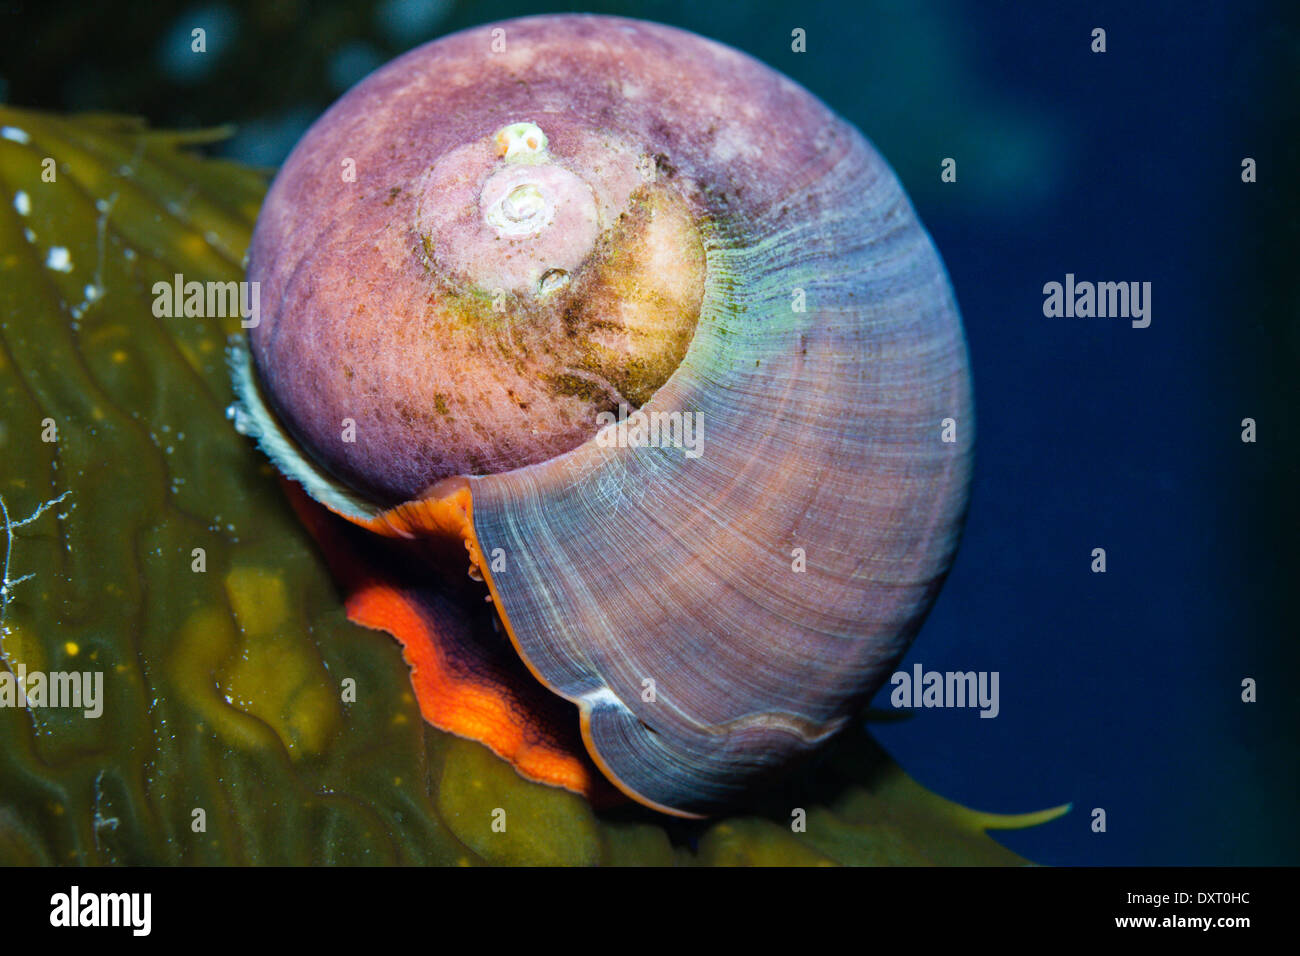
[[160, 552]]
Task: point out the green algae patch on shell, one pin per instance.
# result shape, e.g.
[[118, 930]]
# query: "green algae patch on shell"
[[198, 712]]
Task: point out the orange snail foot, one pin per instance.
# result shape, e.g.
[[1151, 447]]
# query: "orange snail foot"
[[466, 676]]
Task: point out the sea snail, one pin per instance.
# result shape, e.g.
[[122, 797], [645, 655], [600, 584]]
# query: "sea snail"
[[550, 223]]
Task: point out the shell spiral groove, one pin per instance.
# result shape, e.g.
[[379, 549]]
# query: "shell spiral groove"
[[603, 212]]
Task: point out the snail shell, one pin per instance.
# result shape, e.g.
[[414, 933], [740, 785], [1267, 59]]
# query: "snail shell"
[[595, 212]]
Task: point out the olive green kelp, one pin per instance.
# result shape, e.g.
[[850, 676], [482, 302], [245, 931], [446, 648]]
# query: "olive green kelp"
[[147, 541]]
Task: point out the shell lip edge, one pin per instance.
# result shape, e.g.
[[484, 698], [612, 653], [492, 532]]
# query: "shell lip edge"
[[585, 703], [253, 417]]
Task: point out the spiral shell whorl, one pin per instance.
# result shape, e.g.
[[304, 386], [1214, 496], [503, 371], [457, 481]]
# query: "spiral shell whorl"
[[823, 432], [847, 464]]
